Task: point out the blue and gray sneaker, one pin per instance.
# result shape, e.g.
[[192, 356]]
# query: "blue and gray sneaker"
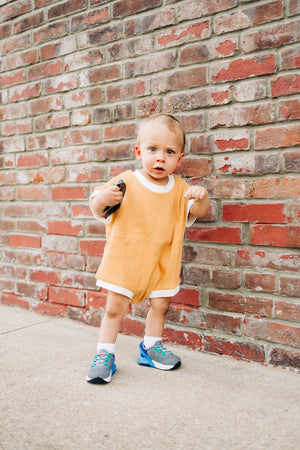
[[158, 357], [102, 369]]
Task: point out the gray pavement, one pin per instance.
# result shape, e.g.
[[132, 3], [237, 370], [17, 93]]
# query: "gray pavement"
[[211, 402]]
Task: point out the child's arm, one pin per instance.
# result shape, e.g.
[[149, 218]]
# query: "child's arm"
[[201, 200], [109, 196]]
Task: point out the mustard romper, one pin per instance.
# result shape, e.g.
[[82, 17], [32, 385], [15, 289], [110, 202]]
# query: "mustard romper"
[[142, 256]]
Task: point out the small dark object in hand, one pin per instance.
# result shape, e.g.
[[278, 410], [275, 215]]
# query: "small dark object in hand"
[[111, 209]]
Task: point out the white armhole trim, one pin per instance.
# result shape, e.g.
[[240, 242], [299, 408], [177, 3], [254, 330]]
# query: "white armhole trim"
[[189, 218], [109, 219]]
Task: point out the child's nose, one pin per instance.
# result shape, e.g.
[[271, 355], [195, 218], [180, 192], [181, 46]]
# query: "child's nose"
[[160, 156]]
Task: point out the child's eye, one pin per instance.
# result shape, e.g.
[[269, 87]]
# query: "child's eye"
[[170, 152], [152, 149]]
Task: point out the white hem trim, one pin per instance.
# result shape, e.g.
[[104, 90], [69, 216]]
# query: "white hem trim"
[[165, 292], [115, 288], [152, 186]]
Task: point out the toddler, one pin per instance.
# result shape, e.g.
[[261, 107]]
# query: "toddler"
[[142, 256]]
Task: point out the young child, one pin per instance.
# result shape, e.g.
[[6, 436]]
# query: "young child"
[[142, 256]]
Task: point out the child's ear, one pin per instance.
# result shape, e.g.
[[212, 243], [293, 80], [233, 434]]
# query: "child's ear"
[[180, 159], [137, 152]]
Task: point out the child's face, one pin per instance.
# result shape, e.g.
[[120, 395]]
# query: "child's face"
[[160, 150]]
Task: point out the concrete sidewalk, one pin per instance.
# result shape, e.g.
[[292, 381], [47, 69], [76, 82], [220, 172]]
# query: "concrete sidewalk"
[[211, 402]]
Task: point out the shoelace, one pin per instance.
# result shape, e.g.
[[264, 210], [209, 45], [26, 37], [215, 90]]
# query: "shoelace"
[[101, 359], [161, 349]]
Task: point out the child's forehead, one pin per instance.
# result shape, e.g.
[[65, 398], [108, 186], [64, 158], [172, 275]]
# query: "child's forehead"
[[151, 125]]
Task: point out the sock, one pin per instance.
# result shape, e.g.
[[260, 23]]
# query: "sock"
[[149, 341], [110, 348]]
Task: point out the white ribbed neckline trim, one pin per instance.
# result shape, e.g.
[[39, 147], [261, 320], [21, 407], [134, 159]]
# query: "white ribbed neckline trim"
[[152, 186]]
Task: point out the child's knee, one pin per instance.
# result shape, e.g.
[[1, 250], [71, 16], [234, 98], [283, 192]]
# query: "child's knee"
[[160, 305]]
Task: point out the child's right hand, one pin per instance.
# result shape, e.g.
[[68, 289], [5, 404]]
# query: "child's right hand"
[[106, 197]]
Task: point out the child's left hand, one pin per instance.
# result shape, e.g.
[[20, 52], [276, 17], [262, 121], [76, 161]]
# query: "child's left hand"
[[196, 192], [201, 200]]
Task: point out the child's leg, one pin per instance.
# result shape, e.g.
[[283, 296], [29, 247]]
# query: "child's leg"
[[104, 366], [116, 308], [155, 320], [152, 351]]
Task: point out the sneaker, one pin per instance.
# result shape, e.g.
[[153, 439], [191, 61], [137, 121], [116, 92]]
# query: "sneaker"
[[102, 369], [158, 356]]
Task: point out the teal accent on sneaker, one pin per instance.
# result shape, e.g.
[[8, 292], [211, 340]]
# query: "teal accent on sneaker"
[[102, 369], [158, 357]]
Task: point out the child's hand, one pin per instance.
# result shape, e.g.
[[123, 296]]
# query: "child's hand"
[[112, 195], [201, 200], [196, 192]]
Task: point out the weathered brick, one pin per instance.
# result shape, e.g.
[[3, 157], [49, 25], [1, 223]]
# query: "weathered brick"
[[276, 236], [149, 22], [69, 193], [237, 303], [180, 80], [124, 8], [192, 9], [229, 235], [243, 68], [23, 240], [240, 350], [90, 19], [290, 286], [210, 50], [276, 188], [255, 212], [66, 296], [289, 109], [260, 282], [275, 36], [273, 331], [254, 15], [285, 85], [182, 34], [285, 358], [54, 30]]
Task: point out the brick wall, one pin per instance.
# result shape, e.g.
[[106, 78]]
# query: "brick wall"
[[76, 78]]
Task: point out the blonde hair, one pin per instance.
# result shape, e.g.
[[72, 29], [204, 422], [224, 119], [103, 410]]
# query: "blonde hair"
[[170, 121]]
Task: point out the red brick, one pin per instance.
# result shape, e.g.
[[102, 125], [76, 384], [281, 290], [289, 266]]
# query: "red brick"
[[85, 136], [66, 296], [227, 280], [47, 277], [124, 8], [261, 213], [194, 167], [192, 9], [260, 282], [221, 322], [105, 73], [144, 24], [271, 37], [273, 331], [66, 8], [105, 34], [278, 236], [12, 78], [183, 337], [287, 310], [238, 350], [65, 228], [237, 303], [8, 298], [45, 69], [290, 58], [23, 240], [32, 160], [246, 18], [69, 193], [187, 297], [180, 80], [285, 85], [289, 109], [51, 309], [150, 64], [290, 286], [268, 259], [212, 49], [32, 21], [92, 247], [276, 188], [285, 358], [214, 256], [54, 30], [243, 68], [230, 235], [183, 34], [13, 10], [116, 132], [60, 244], [96, 299], [20, 59], [32, 193], [90, 19]]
